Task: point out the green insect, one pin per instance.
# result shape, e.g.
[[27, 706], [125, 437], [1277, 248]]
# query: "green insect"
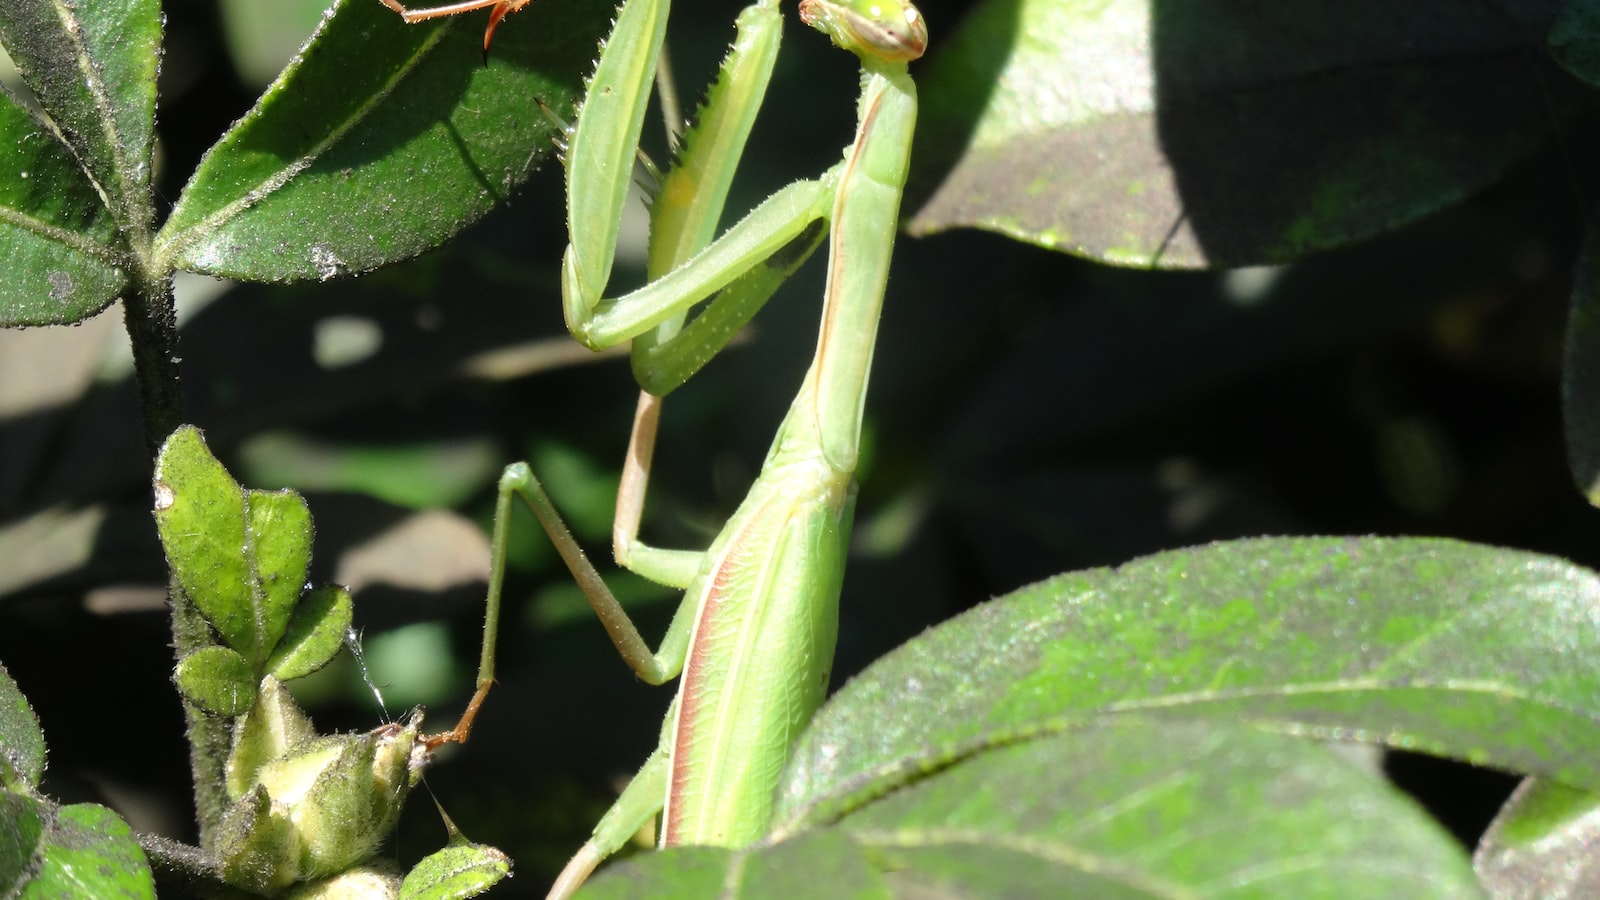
[[754, 636]]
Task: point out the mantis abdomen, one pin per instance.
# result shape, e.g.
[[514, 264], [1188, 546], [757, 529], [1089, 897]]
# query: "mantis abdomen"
[[760, 652]]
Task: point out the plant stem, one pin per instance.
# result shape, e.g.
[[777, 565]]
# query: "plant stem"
[[185, 870], [150, 316], [209, 738]]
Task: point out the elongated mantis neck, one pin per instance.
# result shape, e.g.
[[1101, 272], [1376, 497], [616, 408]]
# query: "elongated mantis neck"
[[874, 168], [884, 35]]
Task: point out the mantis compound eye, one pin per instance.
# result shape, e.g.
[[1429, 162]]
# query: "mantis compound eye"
[[890, 30]]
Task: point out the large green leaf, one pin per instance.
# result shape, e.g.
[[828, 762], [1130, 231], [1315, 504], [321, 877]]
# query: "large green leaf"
[[1187, 133], [70, 215], [93, 68], [821, 864], [1124, 809], [1460, 650], [63, 263], [1140, 810], [380, 141]]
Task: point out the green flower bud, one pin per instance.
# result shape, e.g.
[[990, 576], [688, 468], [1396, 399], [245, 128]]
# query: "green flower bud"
[[320, 808], [375, 882], [258, 850], [266, 732]]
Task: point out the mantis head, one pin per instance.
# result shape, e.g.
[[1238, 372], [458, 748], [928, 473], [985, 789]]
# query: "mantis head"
[[888, 30]]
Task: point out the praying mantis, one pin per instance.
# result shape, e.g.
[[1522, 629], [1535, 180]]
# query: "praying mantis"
[[754, 636]]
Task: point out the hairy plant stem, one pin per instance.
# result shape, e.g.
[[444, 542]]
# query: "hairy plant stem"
[[186, 871], [209, 738], [150, 316]]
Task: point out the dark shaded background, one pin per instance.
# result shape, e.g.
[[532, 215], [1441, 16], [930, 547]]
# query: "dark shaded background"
[[1030, 414]]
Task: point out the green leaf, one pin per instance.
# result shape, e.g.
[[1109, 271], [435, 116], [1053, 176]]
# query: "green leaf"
[[381, 141], [421, 475], [1580, 371], [1149, 809], [1121, 809], [1574, 40], [686, 872], [21, 740], [240, 556], [90, 852], [458, 871], [1541, 844], [22, 823], [218, 680], [815, 864], [93, 68], [316, 632], [1204, 133], [200, 514], [1436, 646], [278, 546], [62, 264]]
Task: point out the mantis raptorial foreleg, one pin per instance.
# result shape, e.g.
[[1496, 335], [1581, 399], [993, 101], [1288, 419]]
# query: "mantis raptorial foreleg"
[[684, 215]]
